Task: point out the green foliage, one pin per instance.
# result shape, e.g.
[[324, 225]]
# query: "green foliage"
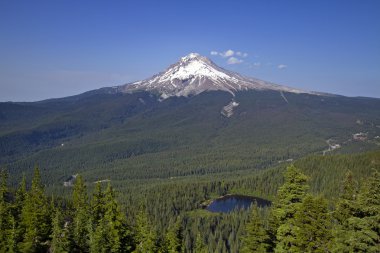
[[290, 194], [99, 239], [173, 238], [81, 221], [346, 206], [357, 217], [5, 217], [171, 219], [97, 204], [60, 238], [109, 230], [312, 226], [35, 217], [256, 237], [199, 246], [288, 201], [145, 234], [369, 201], [177, 136], [12, 236]]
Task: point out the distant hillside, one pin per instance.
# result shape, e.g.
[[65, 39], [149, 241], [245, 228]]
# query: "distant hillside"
[[130, 136]]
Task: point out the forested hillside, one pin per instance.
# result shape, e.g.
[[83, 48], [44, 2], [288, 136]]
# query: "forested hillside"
[[166, 216], [136, 136]]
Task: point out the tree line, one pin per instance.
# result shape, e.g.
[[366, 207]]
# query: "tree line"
[[298, 220], [301, 222], [32, 222]]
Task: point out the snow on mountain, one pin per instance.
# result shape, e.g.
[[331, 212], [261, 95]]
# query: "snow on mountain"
[[194, 74]]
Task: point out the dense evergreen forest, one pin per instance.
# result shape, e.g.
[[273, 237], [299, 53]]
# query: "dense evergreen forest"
[[137, 136], [320, 204]]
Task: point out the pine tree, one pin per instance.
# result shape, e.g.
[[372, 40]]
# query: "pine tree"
[[256, 237], [199, 246], [4, 213], [313, 226], [60, 235], [359, 231], [118, 231], [346, 207], [346, 216], [173, 237], [20, 196], [12, 239], [145, 234], [35, 218], [99, 238], [98, 228], [110, 233], [81, 215], [369, 201], [289, 198], [97, 204]]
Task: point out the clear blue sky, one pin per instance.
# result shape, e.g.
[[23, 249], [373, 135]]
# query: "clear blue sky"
[[60, 48]]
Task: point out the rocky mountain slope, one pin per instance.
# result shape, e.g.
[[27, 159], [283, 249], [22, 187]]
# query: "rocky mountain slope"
[[195, 74]]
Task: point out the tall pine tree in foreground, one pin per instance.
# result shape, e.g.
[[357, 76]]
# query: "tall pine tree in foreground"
[[35, 218], [109, 232], [358, 217], [256, 237], [81, 222], [97, 205], [60, 239], [312, 226], [369, 201], [145, 234], [199, 246], [4, 213], [289, 199], [345, 211], [173, 238]]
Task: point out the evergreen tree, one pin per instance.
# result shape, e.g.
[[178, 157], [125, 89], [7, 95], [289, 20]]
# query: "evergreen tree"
[[20, 198], [256, 237], [173, 237], [19, 228], [272, 226], [369, 201], [359, 232], [145, 235], [289, 198], [312, 226], [346, 205], [4, 213], [345, 214], [60, 236], [97, 204], [35, 218], [12, 239], [110, 234], [99, 238], [199, 246], [81, 216]]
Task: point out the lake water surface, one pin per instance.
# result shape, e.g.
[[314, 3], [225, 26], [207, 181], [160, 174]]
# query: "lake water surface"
[[229, 203]]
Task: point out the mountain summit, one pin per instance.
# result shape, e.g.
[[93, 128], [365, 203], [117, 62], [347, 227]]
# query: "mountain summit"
[[194, 74]]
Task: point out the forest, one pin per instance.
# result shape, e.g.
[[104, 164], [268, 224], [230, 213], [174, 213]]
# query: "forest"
[[305, 216]]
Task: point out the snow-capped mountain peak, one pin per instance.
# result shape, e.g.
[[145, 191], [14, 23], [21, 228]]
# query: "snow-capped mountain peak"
[[194, 74]]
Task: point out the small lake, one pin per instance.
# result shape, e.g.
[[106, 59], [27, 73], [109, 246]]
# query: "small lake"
[[230, 203]]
